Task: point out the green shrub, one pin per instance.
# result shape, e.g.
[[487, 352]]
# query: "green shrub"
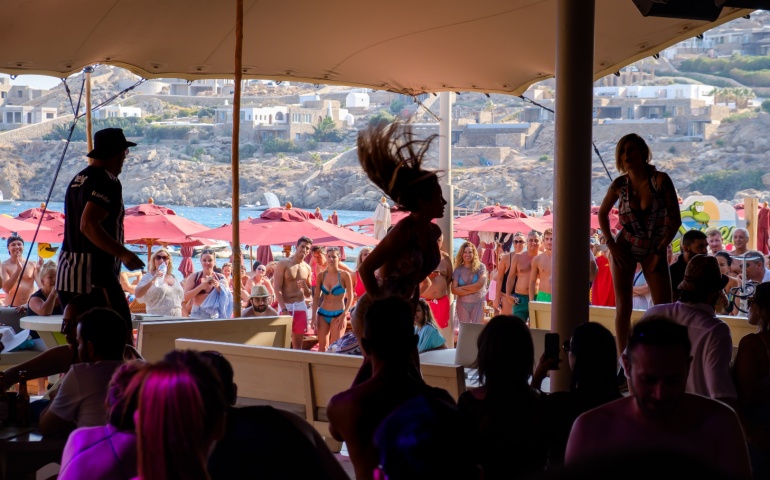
[[396, 106], [766, 106], [725, 183], [544, 158], [739, 116], [672, 149], [275, 145], [247, 150], [380, 117], [167, 132]]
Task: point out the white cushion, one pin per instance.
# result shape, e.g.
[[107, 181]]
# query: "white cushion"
[[445, 356]]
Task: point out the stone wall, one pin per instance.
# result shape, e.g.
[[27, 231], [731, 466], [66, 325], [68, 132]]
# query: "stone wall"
[[612, 132], [34, 131]]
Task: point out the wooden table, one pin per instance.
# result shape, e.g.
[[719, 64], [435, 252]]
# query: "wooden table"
[[24, 451]]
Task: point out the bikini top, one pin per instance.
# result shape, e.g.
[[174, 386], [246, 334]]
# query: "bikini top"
[[461, 282], [337, 289]]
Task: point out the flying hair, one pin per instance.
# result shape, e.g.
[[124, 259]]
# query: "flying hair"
[[392, 159]]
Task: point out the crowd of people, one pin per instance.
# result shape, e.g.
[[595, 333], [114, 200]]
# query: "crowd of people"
[[681, 397]]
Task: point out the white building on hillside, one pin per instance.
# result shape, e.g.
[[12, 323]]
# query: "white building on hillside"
[[670, 92], [117, 111], [357, 99]]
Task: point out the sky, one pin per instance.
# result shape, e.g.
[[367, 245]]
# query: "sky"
[[35, 81]]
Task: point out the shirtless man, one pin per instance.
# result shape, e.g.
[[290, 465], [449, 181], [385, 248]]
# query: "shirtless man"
[[503, 268], [517, 283], [540, 279], [437, 293], [291, 284], [658, 414], [740, 242], [11, 269]]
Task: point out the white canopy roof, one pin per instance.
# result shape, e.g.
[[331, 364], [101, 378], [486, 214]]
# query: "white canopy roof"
[[408, 46]]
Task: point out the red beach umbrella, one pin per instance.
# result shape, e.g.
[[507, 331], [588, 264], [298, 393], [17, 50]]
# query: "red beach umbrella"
[[26, 230], [52, 219], [501, 220], [150, 224], [283, 226]]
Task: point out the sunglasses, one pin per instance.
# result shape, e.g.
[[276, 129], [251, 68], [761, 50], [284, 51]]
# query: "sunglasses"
[[261, 270], [519, 241], [161, 257], [207, 251]]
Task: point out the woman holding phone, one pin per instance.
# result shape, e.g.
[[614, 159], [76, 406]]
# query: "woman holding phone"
[[200, 285]]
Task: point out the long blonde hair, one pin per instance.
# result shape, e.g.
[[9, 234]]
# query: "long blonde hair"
[[169, 263], [475, 263]]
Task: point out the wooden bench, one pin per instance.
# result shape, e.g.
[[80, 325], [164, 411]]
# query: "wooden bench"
[[155, 339], [303, 382], [540, 317]]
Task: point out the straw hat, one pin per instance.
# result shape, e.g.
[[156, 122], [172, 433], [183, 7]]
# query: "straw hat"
[[259, 291], [11, 340], [703, 274]]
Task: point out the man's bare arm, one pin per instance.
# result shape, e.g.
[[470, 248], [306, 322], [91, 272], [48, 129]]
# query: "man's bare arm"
[[509, 284], [533, 277], [10, 279], [278, 284]]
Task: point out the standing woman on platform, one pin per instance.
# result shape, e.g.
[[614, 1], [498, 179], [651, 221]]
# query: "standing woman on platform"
[[649, 214]]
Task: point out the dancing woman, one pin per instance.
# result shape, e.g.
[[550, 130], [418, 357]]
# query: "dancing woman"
[[392, 159], [649, 214]]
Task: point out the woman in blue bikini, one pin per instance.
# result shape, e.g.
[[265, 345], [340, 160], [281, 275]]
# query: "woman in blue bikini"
[[331, 300]]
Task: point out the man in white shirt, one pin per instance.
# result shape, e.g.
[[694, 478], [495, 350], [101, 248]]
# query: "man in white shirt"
[[712, 343], [101, 336]]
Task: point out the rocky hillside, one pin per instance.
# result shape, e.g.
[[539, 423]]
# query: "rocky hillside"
[[171, 173]]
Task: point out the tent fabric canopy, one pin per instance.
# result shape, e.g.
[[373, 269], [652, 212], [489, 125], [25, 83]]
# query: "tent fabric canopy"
[[505, 45]]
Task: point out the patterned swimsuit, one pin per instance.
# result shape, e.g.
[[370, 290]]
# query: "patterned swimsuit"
[[643, 238]]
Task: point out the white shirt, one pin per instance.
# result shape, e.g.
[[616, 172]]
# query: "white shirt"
[[82, 393], [712, 347]]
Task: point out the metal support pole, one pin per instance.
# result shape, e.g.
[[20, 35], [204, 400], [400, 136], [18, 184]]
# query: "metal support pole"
[[572, 167], [89, 126], [445, 164]]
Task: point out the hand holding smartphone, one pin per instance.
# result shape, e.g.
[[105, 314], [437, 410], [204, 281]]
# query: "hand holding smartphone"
[[552, 348]]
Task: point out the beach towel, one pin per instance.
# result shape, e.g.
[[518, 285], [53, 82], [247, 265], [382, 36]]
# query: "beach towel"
[[218, 304]]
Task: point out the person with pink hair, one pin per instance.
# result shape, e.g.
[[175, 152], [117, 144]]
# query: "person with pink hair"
[[180, 415]]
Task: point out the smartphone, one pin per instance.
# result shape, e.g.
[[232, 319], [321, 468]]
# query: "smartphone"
[[552, 346]]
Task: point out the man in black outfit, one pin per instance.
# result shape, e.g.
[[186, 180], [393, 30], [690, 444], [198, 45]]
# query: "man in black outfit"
[[93, 249], [694, 242]]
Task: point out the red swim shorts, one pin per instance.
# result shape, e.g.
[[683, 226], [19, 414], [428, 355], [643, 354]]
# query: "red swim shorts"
[[440, 309], [299, 322]]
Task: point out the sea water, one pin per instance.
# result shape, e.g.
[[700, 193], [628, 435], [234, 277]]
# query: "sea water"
[[208, 216]]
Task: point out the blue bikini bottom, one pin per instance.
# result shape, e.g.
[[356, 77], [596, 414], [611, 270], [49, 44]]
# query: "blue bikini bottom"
[[329, 315]]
